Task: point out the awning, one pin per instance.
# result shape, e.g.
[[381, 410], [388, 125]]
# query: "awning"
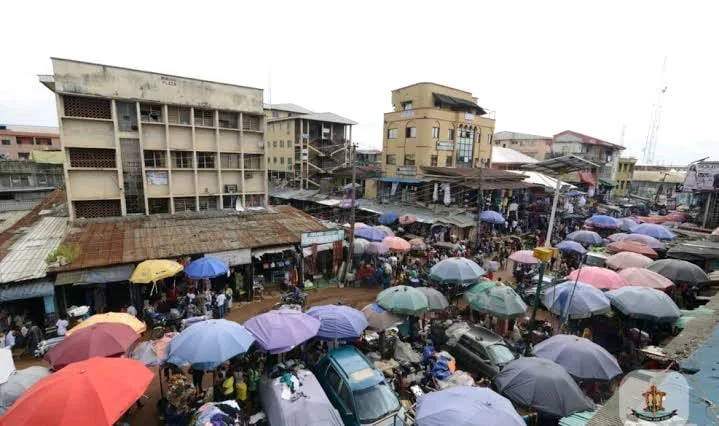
[[400, 180], [331, 203], [27, 290], [609, 183], [588, 177], [307, 251], [459, 103], [109, 274], [268, 250], [234, 257]]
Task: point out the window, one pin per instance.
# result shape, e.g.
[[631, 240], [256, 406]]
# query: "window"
[[182, 159], [409, 160], [159, 205], [204, 117], [465, 147], [208, 203], [250, 122], [489, 138], [20, 181], [23, 140], [410, 132], [228, 120], [289, 144], [23, 155], [126, 116], [90, 157], [178, 115], [450, 134], [155, 159], [97, 208], [448, 161], [282, 160], [274, 144], [253, 161], [375, 403], [433, 161], [76, 106], [333, 379], [43, 141], [289, 162], [151, 113], [282, 144], [391, 159], [43, 181], [391, 133], [406, 106], [346, 399], [500, 354], [274, 160], [184, 204], [275, 114], [205, 160], [435, 132], [230, 161], [6, 142]]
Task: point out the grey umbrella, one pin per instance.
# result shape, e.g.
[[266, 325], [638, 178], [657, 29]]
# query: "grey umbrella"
[[437, 301], [679, 271], [456, 270], [18, 383], [581, 357], [542, 385], [378, 318], [644, 303]]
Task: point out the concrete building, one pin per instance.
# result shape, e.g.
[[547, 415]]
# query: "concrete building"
[[303, 147], [24, 183], [534, 146], [435, 126], [603, 153], [140, 142], [509, 159], [625, 173], [19, 141], [369, 157]]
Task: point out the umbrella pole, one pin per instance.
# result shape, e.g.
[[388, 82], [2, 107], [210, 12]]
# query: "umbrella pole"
[[571, 295], [532, 320]]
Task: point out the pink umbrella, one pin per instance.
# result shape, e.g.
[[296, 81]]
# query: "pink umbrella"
[[524, 256], [628, 259], [396, 244], [619, 236], [646, 239], [407, 219], [418, 244], [601, 278], [639, 277]]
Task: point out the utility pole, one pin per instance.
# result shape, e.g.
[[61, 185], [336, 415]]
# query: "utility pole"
[[353, 208], [480, 204]]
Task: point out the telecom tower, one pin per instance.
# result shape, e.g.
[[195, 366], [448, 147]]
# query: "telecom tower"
[[650, 146]]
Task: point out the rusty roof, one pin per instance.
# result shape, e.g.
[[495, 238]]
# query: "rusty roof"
[[112, 241], [466, 172]]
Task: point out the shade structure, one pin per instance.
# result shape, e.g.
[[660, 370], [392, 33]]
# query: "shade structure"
[[96, 340], [145, 353], [644, 303], [435, 299], [456, 270], [627, 259], [347, 203], [397, 244], [388, 218], [679, 271], [403, 300], [95, 392], [376, 249], [603, 222], [571, 247], [352, 185], [378, 317], [360, 245], [18, 383], [417, 244], [646, 239], [407, 219], [464, 406], [661, 233], [582, 358], [475, 289], [640, 277], [601, 278], [112, 318], [338, 322], [281, 330], [370, 233], [628, 224], [542, 385], [500, 301], [576, 301], [524, 256], [360, 225], [206, 267], [586, 238], [387, 230], [153, 270], [633, 247], [491, 216], [210, 342], [618, 236]]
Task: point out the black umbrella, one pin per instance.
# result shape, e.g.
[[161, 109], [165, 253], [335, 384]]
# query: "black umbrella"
[[679, 271]]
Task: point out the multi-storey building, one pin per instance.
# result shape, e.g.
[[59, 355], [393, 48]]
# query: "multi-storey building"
[[23, 183], [18, 142], [625, 173], [604, 154], [435, 126], [138, 142], [368, 157], [534, 146]]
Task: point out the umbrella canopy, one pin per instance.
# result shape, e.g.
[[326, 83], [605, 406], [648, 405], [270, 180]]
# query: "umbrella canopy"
[[375, 249], [456, 270], [601, 278], [378, 318], [338, 322], [97, 340], [417, 244], [464, 405], [627, 259], [618, 236], [480, 287], [661, 233], [571, 247], [628, 224], [575, 302], [640, 277], [603, 222], [435, 299], [153, 270], [644, 303], [18, 383], [586, 238], [646, 239], [112, 318], [403, 300], [347, 203], [211, 342], [281, 330], [145, 353], [582, 358], [360, 245], [500, 301], [206, 267], [524, 256], [95, 392], [542, 385], [360, 225], [407, 219], [7, 365], [370, 233], [387, 230], [388, 218], [491, 216], [679, 271], [397, 244], [633, 247]]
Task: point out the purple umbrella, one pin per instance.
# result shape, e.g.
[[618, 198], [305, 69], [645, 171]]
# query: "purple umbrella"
[[370, 233], [376, 249], [646, 239], [280, 331], [339, 322], [604, 222], [653, 230], [619, 236], [628, 224]]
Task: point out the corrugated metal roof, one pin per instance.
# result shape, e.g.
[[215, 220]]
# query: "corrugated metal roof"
[[26, 257], [288, 108], [649, 176], [27, 290], [8, 219], [542, 179], [501, 155], [328, 117], [503, 136]]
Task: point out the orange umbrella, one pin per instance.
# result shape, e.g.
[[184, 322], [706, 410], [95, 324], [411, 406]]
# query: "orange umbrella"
[[417, 244], [633, 247], [396, 244]]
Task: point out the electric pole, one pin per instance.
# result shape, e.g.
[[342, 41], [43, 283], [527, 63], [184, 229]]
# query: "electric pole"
[[352, 208], [480, 204]]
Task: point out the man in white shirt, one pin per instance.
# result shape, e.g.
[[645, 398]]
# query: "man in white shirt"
[[220, 301], [10, 339], [61, 325]]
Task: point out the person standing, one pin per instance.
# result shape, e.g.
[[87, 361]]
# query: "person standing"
[[62, 324], [220, 302]]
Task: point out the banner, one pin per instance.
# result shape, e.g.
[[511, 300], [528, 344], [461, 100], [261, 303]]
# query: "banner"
[[702, 177]]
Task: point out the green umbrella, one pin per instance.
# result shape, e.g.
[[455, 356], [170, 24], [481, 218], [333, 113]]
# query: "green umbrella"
[[403, 300], [499, 301], [478, 288]]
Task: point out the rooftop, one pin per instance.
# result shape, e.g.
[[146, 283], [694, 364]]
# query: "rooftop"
[[589, 140], [501, 155], [328, 117], [25, 259], [652, 176], [28, 130], [505, 135], [355, 367], [435, 84], [288, 108]]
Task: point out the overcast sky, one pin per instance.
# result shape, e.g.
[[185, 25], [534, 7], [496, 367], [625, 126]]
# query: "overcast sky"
[[543, 66]]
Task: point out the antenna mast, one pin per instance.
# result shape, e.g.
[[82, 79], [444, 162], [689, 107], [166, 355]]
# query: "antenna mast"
[[650, 146]]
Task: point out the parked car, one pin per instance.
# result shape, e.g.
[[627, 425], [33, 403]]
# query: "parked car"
[[596, 259], [530, 292], [357, 389]]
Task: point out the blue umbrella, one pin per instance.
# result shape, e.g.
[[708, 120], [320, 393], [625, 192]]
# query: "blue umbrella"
[[582, 358], [376, 249], [339, 322], [581, 301], [281, 330], [211, 342], [604, 222], [464, 406], [490, 216], [388, 218], [206, 267], [628, 224], [659, 232], [644, 303], [456, 270], [571, 247], [370, 233], [586, 238]]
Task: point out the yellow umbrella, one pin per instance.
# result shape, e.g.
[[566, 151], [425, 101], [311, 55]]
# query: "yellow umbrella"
[[153, 270], [112, 317]]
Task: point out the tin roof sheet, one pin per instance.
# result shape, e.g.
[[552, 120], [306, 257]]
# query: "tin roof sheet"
[[25, 259]]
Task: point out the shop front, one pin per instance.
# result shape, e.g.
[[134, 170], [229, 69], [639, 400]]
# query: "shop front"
[[102, 289], [28, 301], [274, 266], [323, 252], [240, 278]]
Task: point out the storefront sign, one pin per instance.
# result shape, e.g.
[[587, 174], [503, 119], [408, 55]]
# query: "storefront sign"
[[157, 178], [407, 170], [322, 237], [233, 257], [702, 177], [445, 145], [469, 116]]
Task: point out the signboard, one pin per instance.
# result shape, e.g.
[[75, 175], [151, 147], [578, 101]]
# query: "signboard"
[[407, 170], [407, 114], [702, 177], [445, 145], [233, 257], [469, 116], [322, 237], [157, 178]]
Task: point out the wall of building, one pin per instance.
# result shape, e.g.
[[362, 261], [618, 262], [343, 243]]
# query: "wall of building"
[[17, 145], [535, 148], [625, 172]]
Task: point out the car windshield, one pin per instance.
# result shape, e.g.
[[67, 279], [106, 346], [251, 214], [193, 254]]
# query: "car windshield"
[[500, 353], [375, 403]]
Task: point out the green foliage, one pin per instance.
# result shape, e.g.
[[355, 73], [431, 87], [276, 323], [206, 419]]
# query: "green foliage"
[[65, 254]]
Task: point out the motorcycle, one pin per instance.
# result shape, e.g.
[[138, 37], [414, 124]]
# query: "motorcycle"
[[291, 298]]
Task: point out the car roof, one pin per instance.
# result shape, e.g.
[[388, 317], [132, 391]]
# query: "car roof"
[[356, 369], [484, 335]]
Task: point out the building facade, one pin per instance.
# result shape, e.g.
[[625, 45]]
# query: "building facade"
[[138, 142], [369, 157], [18, 142], [435, 126], [625, 173], [24, 183], [534, 146], [603, 153]]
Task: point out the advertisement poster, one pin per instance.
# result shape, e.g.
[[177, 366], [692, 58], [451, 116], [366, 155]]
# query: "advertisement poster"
[[702, 177]]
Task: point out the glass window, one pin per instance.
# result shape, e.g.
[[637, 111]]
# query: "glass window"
[[435, 132], [205, 160], [391, 159], [448, 161], [282, 144], [274, 144], [6, 142], [450, 134], [406, 106], [155, 159], [433, 161], [23, 155], [465, 147], [500, 354], [289, 160], [410, 132], [409, 159], [182, 159], [391, 133], [274, 160], [346, 399], [375, 403], [282, 160], [333, 378], [289, 144]]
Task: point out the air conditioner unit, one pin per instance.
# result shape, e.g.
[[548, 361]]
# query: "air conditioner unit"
[[230, 188]]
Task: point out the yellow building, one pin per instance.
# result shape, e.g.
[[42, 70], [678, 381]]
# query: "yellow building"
[[435, 125], [625, 173]]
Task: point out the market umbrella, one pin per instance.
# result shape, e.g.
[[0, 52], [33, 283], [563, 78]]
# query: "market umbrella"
[[618, 236], [644, 303], [7, 365], [646, 239], [338, 322], [586, 238], [632, 246], [360, 225], [397, 244], [359, 246], [95, 392], [659, 232], [571, 247], [524, 256], [211, 342], [281, 330], [641, 277], [582, 358], [18, 383], [376, 249], [435, 299], [388, 218], [378, 318], [206, 267], [145, 353], [480, 287], [464, 406], [627, 259], [456, 270], [370, 233], [575, 301], [403, 300], [493, 217], [601, 278], [417, 244], [153, 270], [628, 224], [603, 222], [500, 301], [407, 219], [112, 318], [386, 229], [679, 271], [96, 340], [542, 385]]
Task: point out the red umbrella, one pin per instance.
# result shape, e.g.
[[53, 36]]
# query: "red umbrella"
[[524, 256], [93, 392], [632, 246], [103, 339], [396, 244], [407, 219], [640, 277], [601, 278]]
